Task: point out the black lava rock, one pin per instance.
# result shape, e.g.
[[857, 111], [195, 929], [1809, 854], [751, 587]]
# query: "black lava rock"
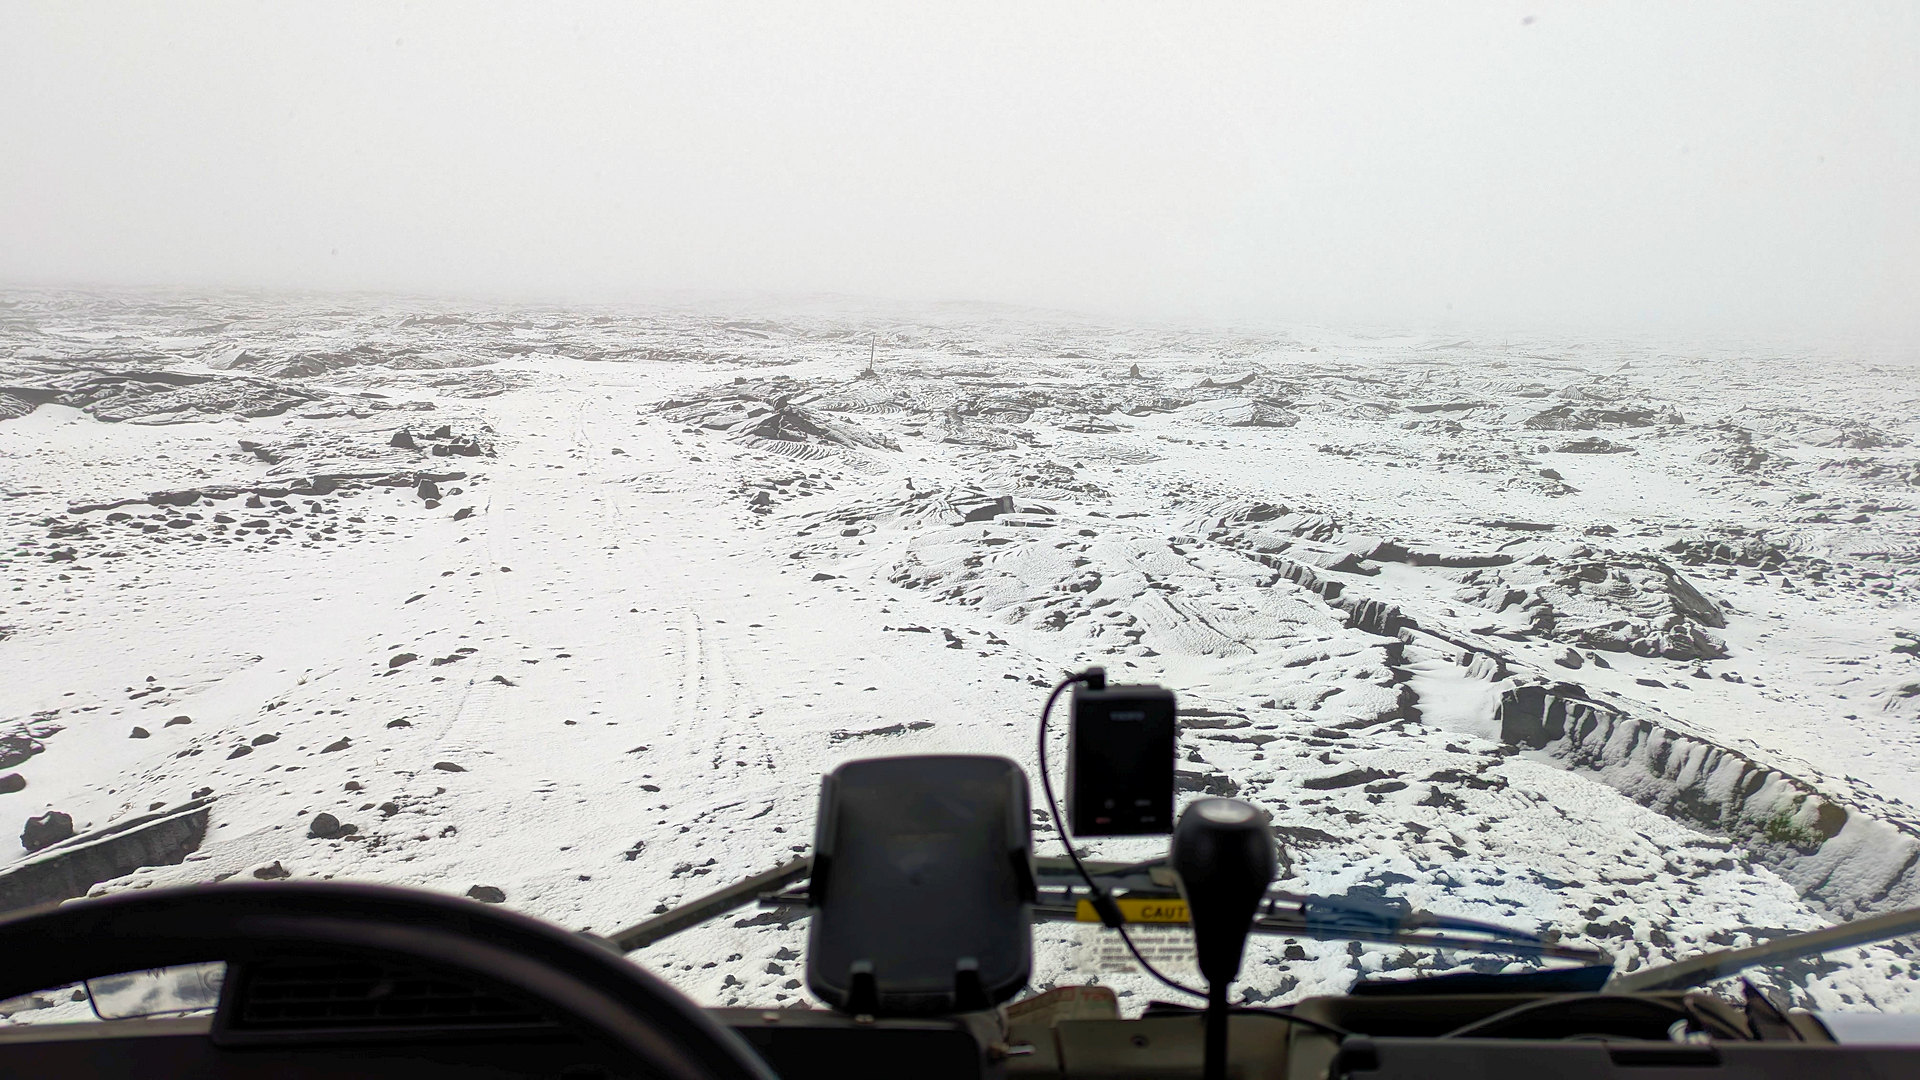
[[46, 830]]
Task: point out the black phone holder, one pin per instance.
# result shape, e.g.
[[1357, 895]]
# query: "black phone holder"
[[922, 886]]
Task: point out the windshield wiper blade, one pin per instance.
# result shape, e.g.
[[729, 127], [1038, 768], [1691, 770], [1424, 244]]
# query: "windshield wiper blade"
[[1720, 964]]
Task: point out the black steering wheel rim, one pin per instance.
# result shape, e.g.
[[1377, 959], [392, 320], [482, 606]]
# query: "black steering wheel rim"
[[584, 984]]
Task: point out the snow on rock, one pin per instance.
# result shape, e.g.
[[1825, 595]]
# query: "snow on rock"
[[1849, 862], [1601, 599], [741, 553]]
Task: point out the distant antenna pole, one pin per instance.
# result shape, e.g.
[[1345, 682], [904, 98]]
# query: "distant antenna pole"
[[873, 346]]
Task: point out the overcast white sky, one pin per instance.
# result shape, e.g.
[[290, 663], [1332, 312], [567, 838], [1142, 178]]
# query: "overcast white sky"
[[1698, 166]]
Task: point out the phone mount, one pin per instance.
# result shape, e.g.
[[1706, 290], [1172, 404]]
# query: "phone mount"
[[922, 886], [1223, 852]]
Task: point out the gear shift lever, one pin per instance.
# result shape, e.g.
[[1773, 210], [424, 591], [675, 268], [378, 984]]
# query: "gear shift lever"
[[1223, 853]]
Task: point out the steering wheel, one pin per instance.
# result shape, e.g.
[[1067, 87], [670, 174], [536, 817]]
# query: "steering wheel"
[[581, 983]]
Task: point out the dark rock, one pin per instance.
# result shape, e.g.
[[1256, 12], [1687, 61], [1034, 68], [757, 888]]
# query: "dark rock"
[[399, 723], [444, 431], [427, 490], [178, 720], [404, 440], [11, 783], [240, 751], [1578, 418], [17, 748], [463, 513], [276, 872], [398, 659], [255, 502], [324, 827], [890, 729], [354, 785], [1307, 836], [1593, 445], [1350, 778], [448, 766], [1216, 784], [46, 830], [262, 740], [139, 733], [989, 509], [339, 744], [1467, 779], [487, 894]]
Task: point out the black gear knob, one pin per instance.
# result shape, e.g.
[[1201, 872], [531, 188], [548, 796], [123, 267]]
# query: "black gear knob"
[[1223, 851]]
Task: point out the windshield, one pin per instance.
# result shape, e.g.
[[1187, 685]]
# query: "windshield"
[[516, 452]]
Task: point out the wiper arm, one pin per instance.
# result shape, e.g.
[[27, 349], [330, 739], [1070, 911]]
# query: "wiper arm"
[[1333, 918], [1341, 913], [1321, 918], [710, 906], [1724, 962]]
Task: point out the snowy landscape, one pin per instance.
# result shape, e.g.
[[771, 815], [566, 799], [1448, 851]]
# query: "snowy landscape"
[[568, 609]]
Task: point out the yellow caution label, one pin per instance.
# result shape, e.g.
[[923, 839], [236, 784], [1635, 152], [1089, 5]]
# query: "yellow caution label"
[[1173, 910]]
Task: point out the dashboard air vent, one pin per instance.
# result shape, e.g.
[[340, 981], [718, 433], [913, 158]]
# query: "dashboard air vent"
[[331, 994]]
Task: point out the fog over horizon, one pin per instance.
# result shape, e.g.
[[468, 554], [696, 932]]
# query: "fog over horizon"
[[1634, 168]]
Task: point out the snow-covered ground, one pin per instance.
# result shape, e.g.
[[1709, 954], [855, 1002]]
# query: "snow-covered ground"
[[633, 579]]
